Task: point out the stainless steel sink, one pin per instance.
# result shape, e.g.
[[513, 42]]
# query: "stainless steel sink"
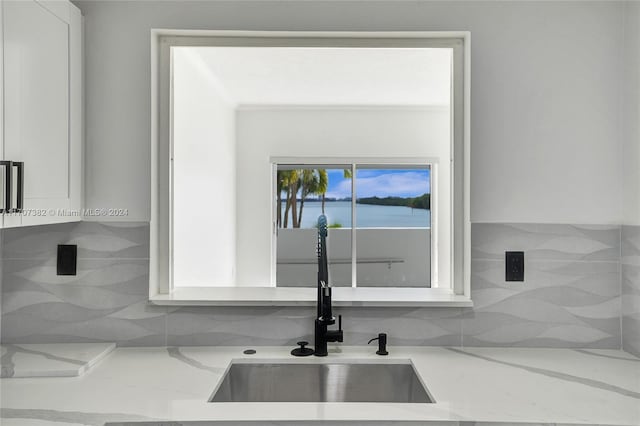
[[321, 382]]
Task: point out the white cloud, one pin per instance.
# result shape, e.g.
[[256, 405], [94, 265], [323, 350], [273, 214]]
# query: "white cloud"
[[409, 184], [342, 190]]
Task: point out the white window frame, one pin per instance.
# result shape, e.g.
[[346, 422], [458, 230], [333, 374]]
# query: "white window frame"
[[161, 292]]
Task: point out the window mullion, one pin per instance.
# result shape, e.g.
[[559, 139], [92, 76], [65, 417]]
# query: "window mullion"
[[354, 259]]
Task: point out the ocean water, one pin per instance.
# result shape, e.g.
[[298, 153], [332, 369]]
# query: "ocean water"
[[368, 216]]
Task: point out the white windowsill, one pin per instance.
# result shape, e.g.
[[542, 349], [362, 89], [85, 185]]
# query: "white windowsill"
[[342, 296]]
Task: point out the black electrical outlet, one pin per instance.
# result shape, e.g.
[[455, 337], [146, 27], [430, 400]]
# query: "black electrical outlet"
[[67, 259], [514, 265]]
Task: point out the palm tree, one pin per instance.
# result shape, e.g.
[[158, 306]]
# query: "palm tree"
[[289, 181], [307, 181], [312, 181], [280, 177], [293, 201]]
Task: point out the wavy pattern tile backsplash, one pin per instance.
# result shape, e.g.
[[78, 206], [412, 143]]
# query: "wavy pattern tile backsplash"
[[571, 296], [571, 293], [106, 301]]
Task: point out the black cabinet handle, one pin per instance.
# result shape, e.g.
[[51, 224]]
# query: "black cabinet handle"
[[8, 171], [20, 186]]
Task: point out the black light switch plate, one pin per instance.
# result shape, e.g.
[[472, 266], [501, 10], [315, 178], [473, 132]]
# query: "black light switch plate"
[[514, 265], [67, 259]]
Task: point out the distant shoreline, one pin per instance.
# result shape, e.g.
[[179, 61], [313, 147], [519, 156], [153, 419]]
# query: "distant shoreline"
[[421, 202]]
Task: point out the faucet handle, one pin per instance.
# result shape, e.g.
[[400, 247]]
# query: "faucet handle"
[[302, 350]]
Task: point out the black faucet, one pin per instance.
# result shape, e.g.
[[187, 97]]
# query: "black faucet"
[[325, 316]]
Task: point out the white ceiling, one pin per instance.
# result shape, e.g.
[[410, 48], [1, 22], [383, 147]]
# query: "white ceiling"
[[327, 76]]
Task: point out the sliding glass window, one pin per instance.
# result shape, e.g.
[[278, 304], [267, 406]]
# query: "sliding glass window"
[[379, 237]]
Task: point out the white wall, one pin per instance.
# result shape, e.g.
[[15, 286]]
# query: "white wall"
[[545, 94], [262, 133], [631, 110], [203, 177]]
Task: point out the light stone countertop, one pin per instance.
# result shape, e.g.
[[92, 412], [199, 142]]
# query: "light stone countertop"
[[471, 384], [50, 359]]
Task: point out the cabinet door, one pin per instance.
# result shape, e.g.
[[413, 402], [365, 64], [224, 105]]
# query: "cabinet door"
[[42, 107]]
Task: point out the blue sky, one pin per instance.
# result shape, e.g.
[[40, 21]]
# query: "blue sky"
[[381, 183]]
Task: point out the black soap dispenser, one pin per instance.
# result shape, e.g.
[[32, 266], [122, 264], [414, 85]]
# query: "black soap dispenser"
[[382, 344]]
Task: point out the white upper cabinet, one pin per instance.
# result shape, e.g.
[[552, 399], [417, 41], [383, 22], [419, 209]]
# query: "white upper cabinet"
[[42, 112]]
